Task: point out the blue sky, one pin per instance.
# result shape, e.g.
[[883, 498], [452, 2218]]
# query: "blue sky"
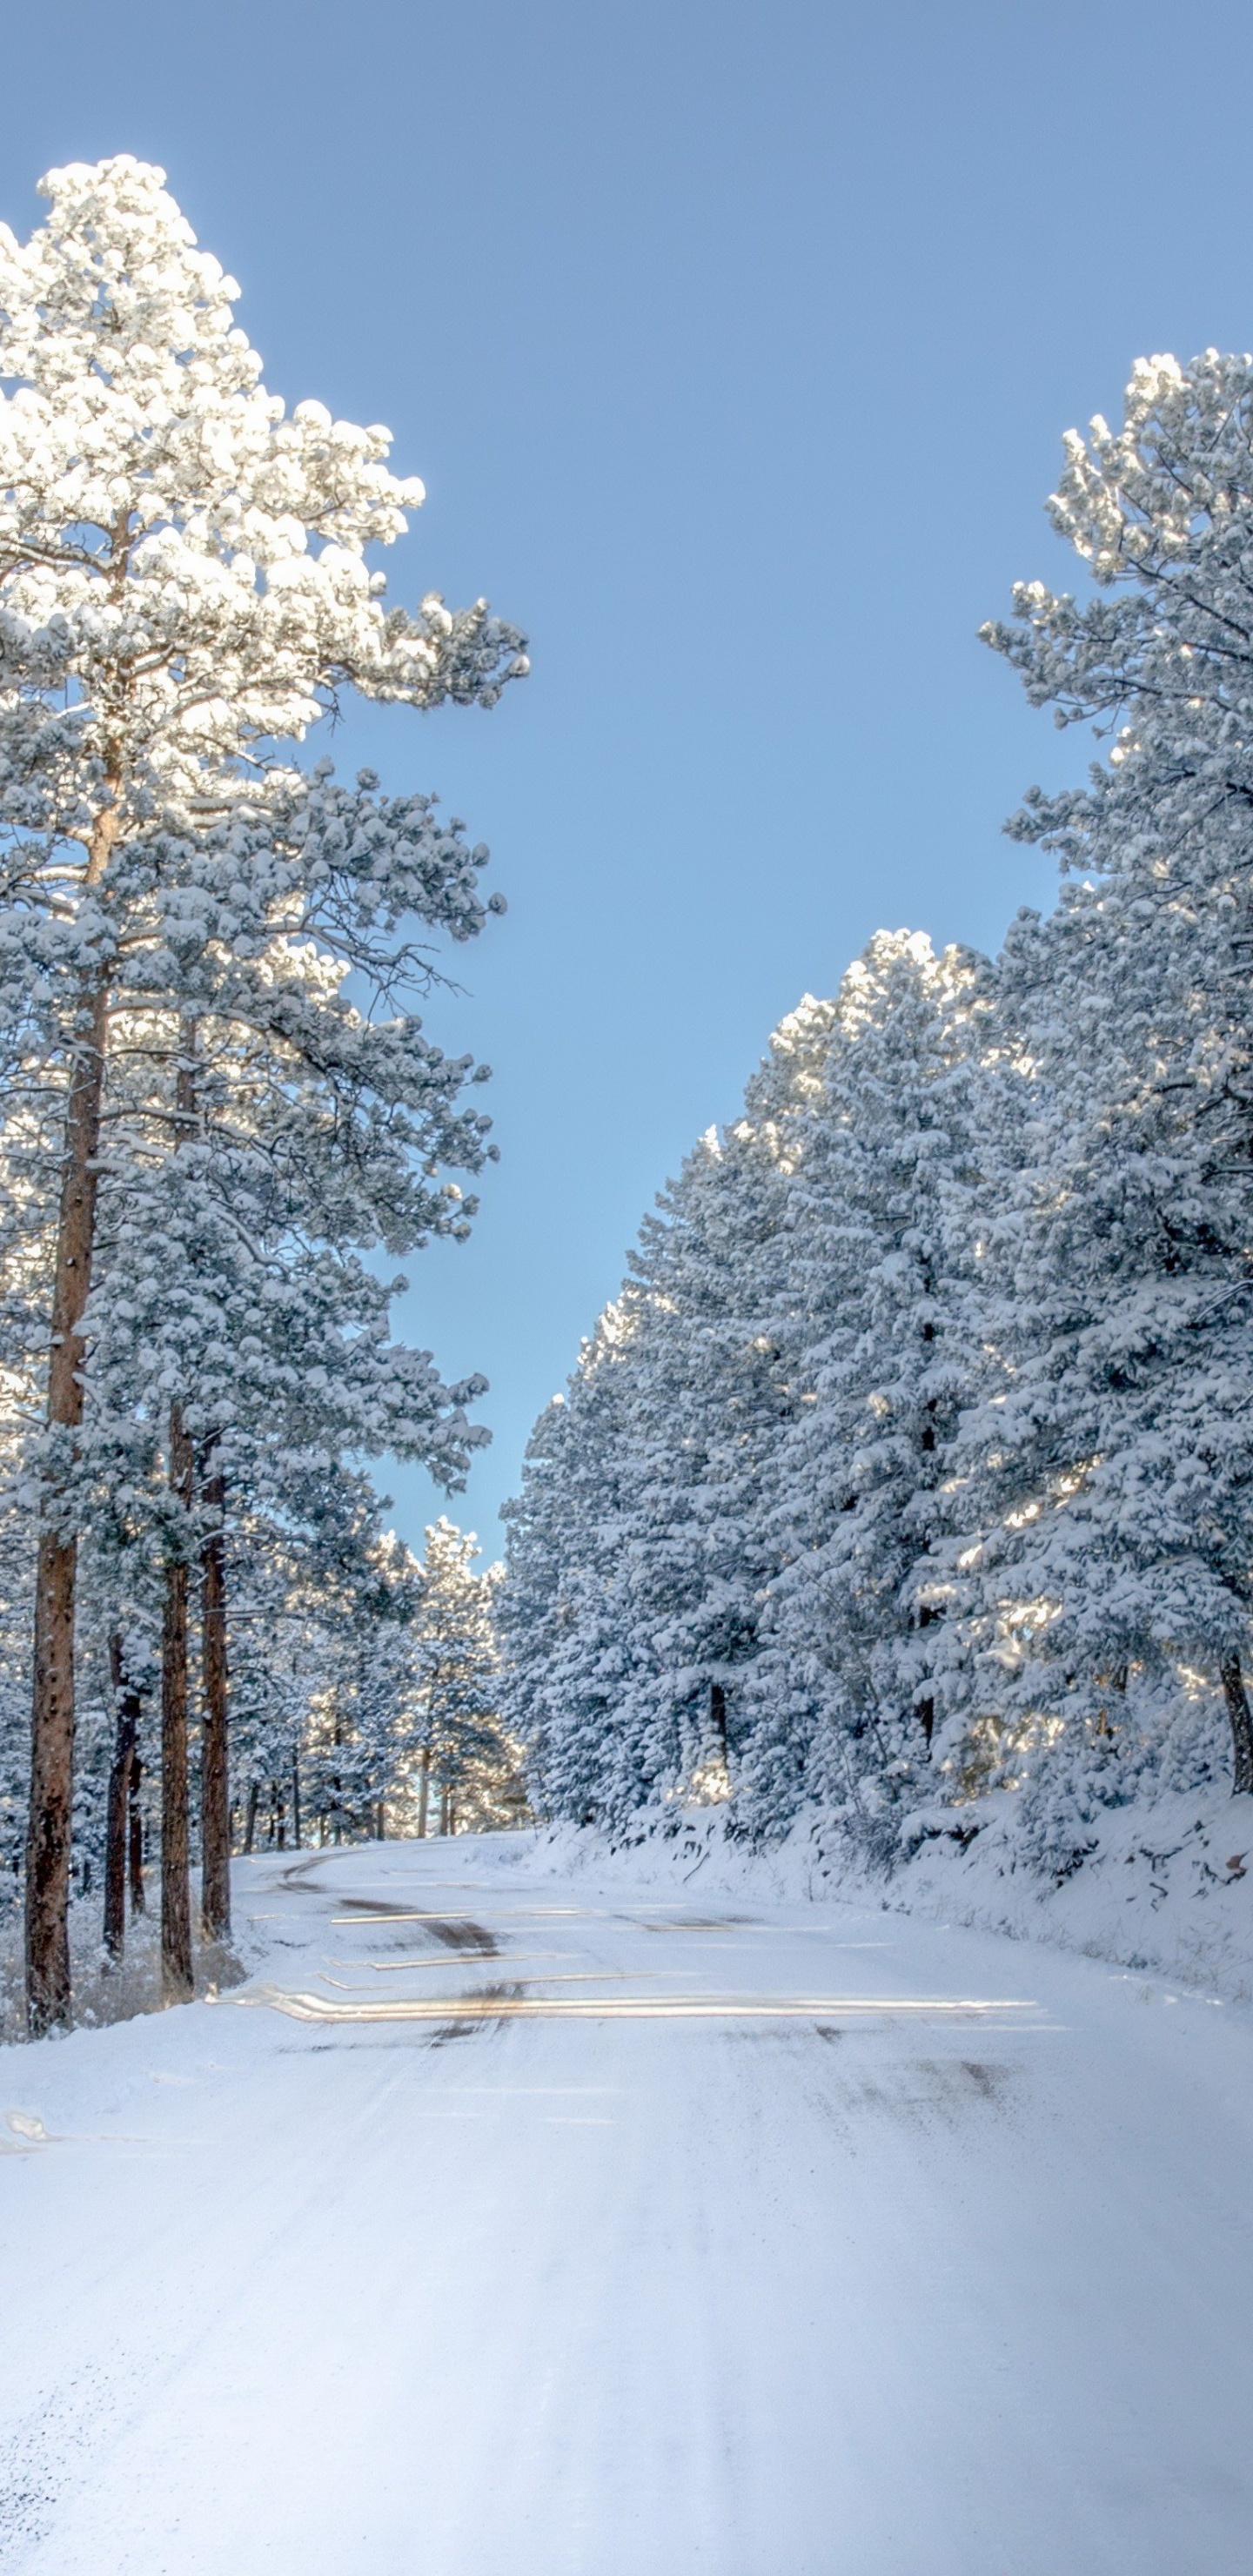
[[734, 344]]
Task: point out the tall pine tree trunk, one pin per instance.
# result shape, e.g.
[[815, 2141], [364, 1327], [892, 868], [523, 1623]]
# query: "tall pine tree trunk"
[[176, 1962], [1241, 1718], [215, 1772], [424, 1789], [48, 1835], [115, 1842], [52, 1714], [176, 1967], [135, 1840], [117, 1816]]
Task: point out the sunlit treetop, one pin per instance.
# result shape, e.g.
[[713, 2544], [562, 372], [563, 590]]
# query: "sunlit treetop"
[[180, 556]]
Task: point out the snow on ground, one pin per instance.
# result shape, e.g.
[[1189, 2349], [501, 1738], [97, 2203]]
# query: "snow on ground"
[[528, 2215], [1163, 1884]]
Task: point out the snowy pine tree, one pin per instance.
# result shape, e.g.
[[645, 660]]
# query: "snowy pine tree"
[[184, 587], [459, 1761], [637, 1562], [877, 1205], [1114, 1483]]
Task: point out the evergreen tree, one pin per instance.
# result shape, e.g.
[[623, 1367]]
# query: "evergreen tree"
[[877, 1209], [1116, 1485], [569, 1651], [184, 592], [914, 1456], [457, 1752], [629, 1665]]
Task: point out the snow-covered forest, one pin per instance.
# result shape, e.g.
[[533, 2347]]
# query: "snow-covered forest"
[[223, 1117], [912, 1465], [910, 1470], [667, 1989]]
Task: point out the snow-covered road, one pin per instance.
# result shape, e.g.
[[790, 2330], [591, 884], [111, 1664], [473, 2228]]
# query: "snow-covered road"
[[940, 2266]]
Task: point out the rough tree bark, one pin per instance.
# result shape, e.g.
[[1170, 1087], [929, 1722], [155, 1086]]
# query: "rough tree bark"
[[924, 1708], [1241, 1719], [424, 1789], [176, 1961], [52, 1712], [139, 1903], [48, 1836], [124, 1758], [215, 1769], [176, 1965], [250, 1825]]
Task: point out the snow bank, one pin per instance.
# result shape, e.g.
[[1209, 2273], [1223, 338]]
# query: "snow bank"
[[1165, 1887]]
